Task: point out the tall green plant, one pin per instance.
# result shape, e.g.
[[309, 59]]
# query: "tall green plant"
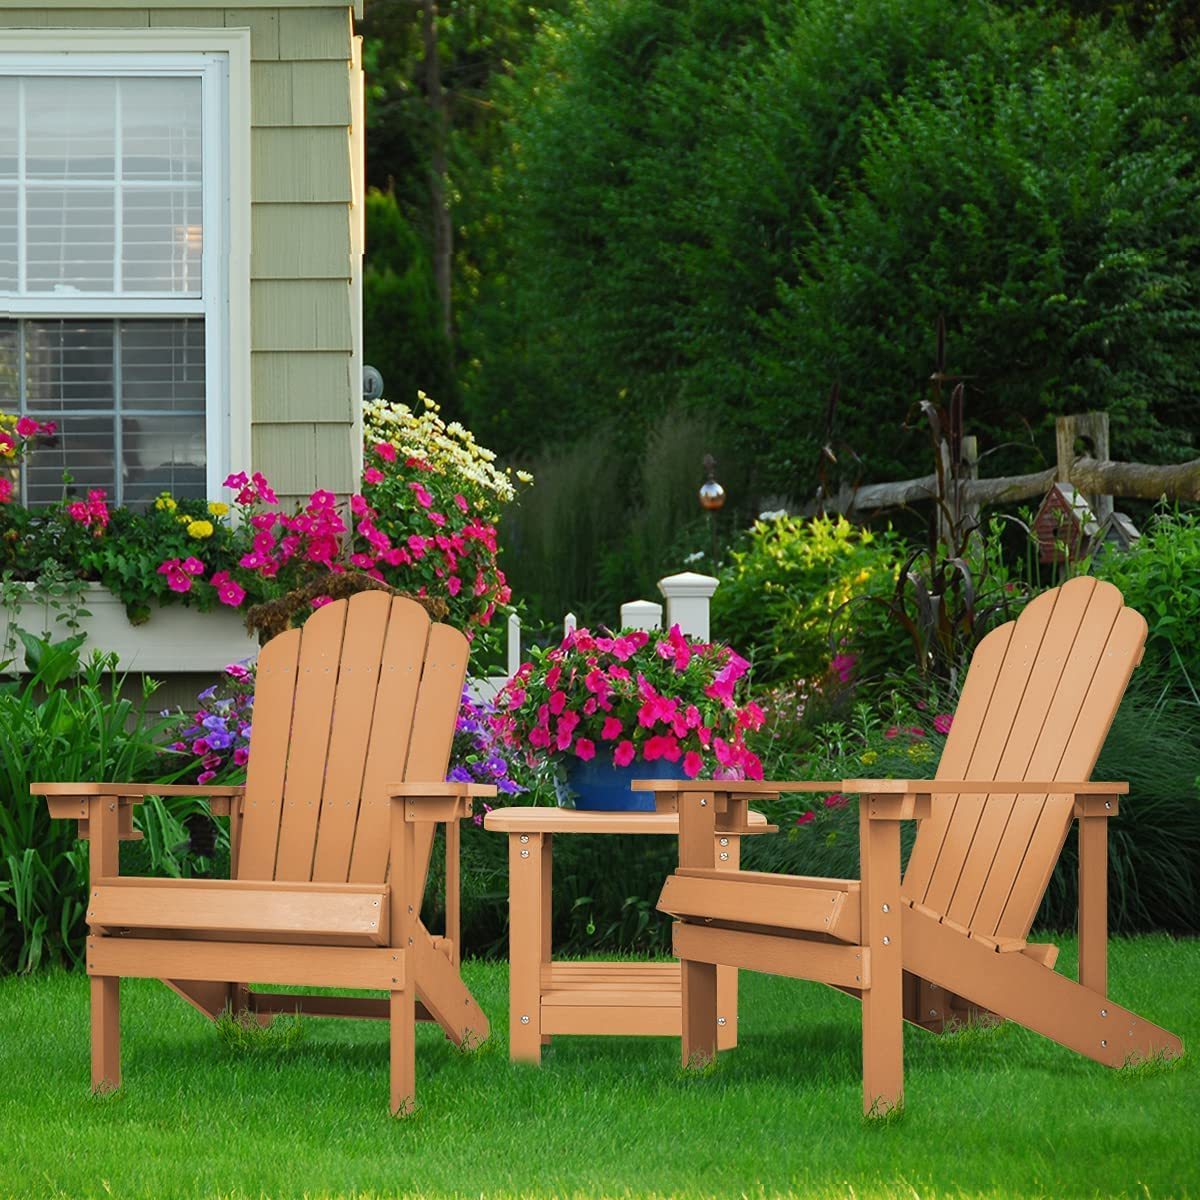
[[66, 721]]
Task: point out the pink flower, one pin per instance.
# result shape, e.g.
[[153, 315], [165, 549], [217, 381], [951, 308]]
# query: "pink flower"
[[321, 601], [454, 585], [892, 731], [437, 518], [585, 749], [917, 731], [78, 511], [228, 590], [661, 746], [623, 754], [461, 501], [372, 475], [693, 764], [558, 701], [178, 577], [27, 427], [942, 722], [835, 800], [806, 817], [516, 698], [241, 756], [843, 666], [386, 451], [6, 490], [611, 730], [193, 566], [424, 499], [205, 777]]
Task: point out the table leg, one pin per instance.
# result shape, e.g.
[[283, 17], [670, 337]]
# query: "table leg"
[[728, 858], [547, 910], [527, 873]]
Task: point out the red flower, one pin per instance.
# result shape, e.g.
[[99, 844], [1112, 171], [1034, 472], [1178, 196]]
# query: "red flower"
[[806, 818]]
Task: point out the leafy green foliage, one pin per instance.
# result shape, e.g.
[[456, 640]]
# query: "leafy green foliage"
[[66, 721], [791, 597], [402, 335], [734, 205], [1159, 578]]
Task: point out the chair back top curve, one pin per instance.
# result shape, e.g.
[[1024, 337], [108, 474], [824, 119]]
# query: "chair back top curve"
[[1038, 701], [365, 694]]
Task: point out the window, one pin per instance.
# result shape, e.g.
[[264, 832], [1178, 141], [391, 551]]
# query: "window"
[[113, 269]]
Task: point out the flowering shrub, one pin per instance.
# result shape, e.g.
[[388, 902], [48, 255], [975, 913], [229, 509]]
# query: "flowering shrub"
[[217, 736], [479, 754], [791, 596], [634, 696]]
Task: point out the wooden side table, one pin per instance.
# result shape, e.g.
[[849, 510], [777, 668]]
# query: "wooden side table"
[[547, 998]]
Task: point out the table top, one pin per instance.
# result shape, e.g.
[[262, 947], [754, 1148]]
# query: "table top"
[[543, 819]]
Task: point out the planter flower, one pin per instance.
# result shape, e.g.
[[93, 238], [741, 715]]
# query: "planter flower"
[[424, 523], [602, 710]]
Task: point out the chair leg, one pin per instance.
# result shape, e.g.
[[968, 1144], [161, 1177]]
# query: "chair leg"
[[403, 1022], [699, 1000], [106, 1033]]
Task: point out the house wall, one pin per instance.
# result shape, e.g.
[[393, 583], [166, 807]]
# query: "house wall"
[[306, 188]]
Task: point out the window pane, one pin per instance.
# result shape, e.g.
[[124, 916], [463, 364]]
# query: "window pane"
[[162, 366], [10, 375], [162, 240], [70, 127], [84, 448], [9, 114], [68, 368], [8, 239], [160, 129], [162, 454], [70, 240], [128, 398]]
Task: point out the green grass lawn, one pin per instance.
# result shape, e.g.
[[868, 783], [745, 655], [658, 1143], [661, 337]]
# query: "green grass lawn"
[[997, 1112]]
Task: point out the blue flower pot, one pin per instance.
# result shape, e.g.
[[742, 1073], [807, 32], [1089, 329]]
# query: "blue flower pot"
[[598, 786]]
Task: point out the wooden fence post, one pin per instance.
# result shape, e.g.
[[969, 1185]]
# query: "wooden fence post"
[[1094, 427]]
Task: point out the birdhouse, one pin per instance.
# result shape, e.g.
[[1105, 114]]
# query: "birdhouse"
[[1065, 525], [1117, 533]]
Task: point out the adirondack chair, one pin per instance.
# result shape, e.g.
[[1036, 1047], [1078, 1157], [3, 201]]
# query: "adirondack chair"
[[953, 935], [353, 721]]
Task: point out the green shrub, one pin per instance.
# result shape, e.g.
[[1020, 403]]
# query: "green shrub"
[[66, 722], [791, 597], [1160, 577]]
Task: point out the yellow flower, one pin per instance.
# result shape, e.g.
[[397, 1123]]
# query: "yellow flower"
[[165, 503], [200, 529], [869, 756], [217, 509], [183, 519]]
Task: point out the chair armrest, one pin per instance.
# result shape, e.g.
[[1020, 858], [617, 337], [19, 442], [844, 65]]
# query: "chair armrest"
[[443, 801], [70, 800], [1020, 787]]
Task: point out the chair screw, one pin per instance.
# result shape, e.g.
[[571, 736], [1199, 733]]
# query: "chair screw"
[[724, 856], [887, 908], [724, 841], [887, 941], [720, 1020], [524, 853], [933, 1012], [1104, 1012], [1103, 1041], [703, 803], [524, 838], [524, 1020]]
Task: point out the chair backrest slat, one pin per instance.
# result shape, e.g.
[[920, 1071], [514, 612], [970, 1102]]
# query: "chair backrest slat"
[[274, 691], [312, 712], [1038, 702], [365, 695], [358, 685]]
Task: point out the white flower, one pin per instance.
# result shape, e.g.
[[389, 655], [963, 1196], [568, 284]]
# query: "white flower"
[[776, 514], [694, 558]]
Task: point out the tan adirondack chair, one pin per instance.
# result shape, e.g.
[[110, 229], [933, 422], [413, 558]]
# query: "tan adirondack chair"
[[952, 936], [353, 721]]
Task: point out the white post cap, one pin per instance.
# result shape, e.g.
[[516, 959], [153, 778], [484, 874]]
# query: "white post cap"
[[641, 614], [688, 596]]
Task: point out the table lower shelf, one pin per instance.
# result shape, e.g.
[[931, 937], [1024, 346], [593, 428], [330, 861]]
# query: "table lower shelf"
[[611, 998]]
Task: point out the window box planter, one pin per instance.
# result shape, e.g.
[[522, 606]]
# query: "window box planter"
[[175, 639]]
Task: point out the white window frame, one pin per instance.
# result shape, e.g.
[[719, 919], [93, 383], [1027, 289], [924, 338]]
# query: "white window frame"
[[221, 58]]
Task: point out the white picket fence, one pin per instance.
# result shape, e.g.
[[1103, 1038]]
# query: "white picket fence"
[[687, 597]]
